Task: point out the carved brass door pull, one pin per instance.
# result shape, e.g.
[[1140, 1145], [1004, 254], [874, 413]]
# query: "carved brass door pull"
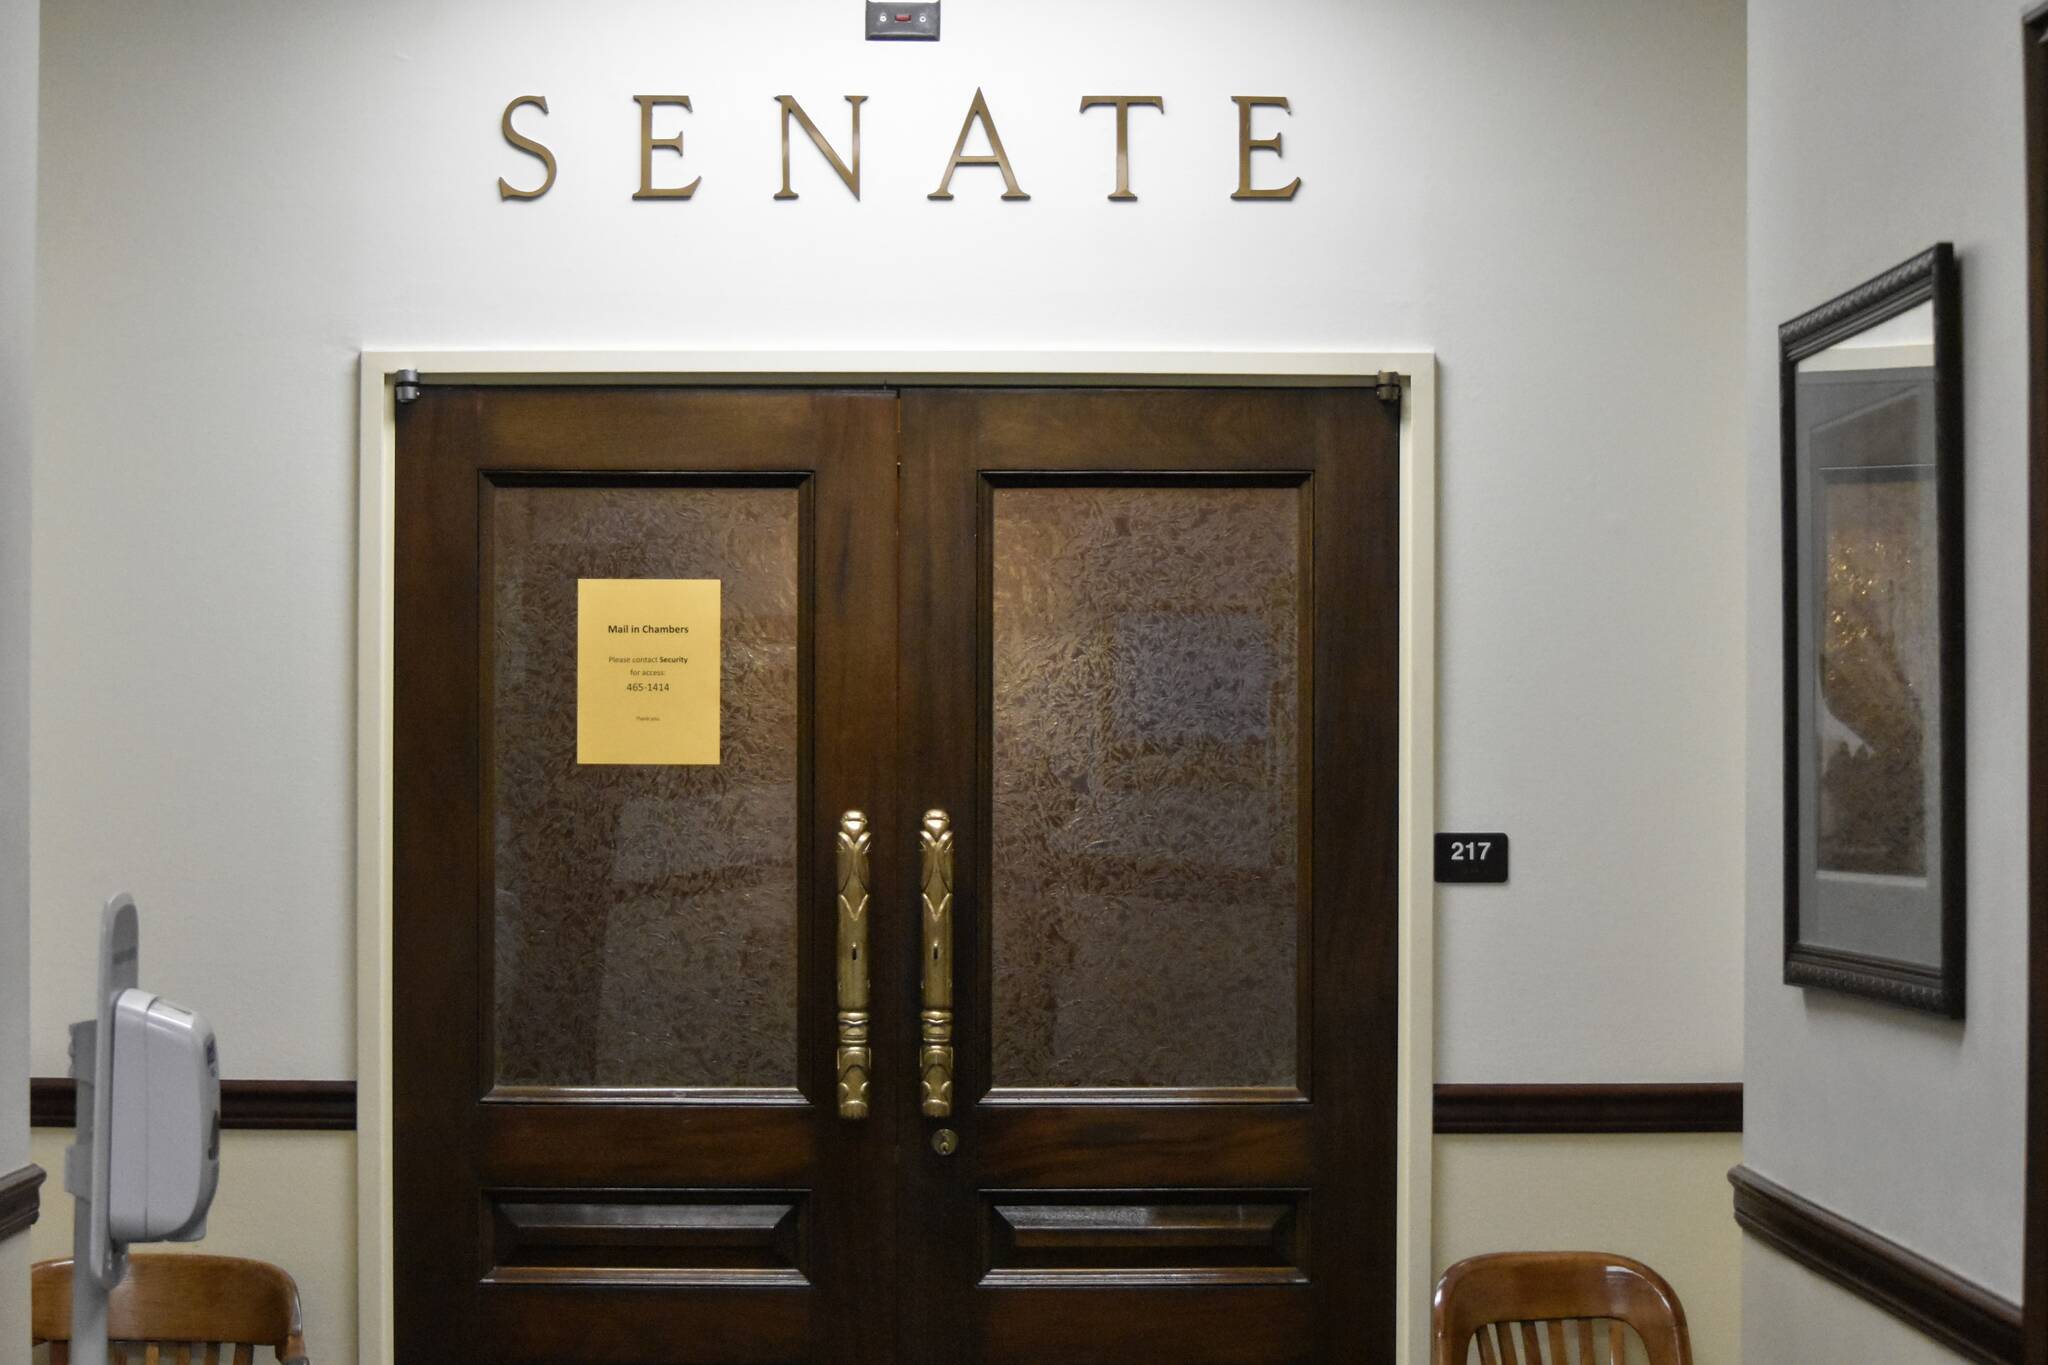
[[856, 1060], [935, 1057]]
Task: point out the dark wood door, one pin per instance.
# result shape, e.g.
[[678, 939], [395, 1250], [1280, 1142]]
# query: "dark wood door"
[[1125, 745], [1150, 652], [614, 983]]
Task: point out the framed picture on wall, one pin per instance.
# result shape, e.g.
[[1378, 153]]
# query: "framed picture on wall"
[[1870, 391]]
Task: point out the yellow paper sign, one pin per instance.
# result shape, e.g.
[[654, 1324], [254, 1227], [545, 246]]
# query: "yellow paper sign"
[[647, 670]]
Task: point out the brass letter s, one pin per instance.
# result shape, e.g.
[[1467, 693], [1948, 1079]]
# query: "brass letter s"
[[527, 145]]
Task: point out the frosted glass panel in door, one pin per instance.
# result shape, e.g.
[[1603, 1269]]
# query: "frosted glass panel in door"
[[646, 915], [1149, 793]]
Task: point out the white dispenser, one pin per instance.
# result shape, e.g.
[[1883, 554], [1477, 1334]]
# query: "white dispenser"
[[147, 1157]]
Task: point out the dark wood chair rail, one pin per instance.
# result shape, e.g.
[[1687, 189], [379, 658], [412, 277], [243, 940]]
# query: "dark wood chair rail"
[[1963, 1316], [1712, 1107], [20, 1200], [289, 1106]]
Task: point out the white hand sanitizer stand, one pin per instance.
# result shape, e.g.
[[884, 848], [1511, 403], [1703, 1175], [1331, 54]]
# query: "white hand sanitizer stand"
[[147, 1158]]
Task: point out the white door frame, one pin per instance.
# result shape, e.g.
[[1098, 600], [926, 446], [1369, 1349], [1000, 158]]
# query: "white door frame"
[[377, 445]]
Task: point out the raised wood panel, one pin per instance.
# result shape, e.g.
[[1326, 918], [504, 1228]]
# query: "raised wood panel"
[[549, 429], [1216, 1237], [741, 1325], [646, 1236], [1087, 1146], [614, 1144], [1192, 1325]]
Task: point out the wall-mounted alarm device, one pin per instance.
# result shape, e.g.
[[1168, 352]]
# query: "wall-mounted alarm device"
[[904, 21]]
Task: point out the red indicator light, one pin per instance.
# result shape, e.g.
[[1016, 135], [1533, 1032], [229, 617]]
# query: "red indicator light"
[[902, 18]]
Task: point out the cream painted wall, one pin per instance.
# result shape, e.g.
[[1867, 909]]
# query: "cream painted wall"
[[284, 1198], [1661, 1198], [1803, 1319], [1877, 127], [19, 20], [238, 196]]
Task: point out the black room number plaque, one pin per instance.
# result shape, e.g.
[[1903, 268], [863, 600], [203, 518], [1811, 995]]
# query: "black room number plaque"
[[1471, 857]]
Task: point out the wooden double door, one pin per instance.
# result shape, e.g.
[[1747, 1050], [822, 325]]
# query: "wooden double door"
[[1013, 981]]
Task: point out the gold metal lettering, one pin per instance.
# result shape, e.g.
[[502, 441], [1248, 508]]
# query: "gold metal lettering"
[[1123, 105], [856, 1061], [935, 1058], [1247, 144], [851, 177], [648, 142], [527, 145], [998, 159]]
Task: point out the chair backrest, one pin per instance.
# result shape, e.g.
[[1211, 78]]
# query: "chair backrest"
[[1515, 1301], [178, 1310]]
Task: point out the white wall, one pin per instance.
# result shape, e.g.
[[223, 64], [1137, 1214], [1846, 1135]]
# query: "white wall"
[[1798, 1318], [237, 197], [1876, 128], [18, 42]]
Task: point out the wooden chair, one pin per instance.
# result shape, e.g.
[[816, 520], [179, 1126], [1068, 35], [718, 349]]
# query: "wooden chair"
[[1514, 1301], [178, 1310]]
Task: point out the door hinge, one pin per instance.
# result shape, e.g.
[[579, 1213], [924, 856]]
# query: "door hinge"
[[405, 386], [1388, 389]]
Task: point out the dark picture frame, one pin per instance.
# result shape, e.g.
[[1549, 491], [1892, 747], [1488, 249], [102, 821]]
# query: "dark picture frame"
[[2034, 1276], [1874, 805]]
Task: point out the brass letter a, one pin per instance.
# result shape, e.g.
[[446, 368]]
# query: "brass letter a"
[[1000, 160]]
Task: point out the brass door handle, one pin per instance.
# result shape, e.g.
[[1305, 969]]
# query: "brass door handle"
[[856, 1060], [935, 891]]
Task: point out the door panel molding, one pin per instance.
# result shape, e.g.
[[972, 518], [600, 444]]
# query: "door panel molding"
[[514, 857], [1122, 1237], [1125, 1095], [1055, 628], [646, 1237], [377, 374]]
